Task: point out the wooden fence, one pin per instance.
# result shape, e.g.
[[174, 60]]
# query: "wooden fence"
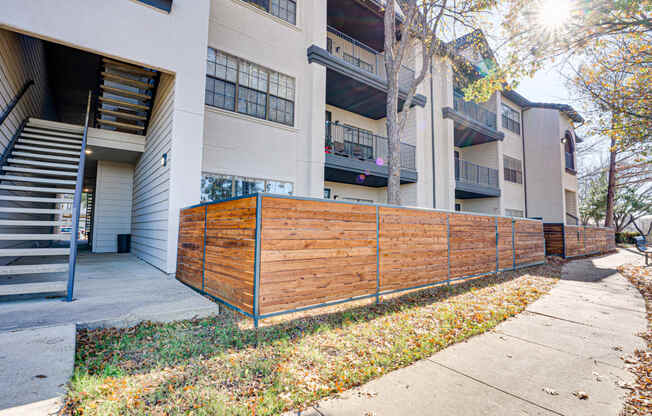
[[265, 255], [570, 241]]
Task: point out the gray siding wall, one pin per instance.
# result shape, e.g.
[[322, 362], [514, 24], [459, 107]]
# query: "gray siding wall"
[[21, 58], [150, 211], [113, 194]]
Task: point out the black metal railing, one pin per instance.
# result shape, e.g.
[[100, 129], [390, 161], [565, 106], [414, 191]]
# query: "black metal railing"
[[474, 110], [572, 219], [475, 174], [76, 206], [570, 161], [364, 57], [14, 101], [348, 141]]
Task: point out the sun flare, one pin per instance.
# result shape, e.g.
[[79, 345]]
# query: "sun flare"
[[553, 14]]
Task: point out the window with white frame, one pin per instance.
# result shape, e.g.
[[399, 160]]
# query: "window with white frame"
[[237, 85], [283, 9], [512, 169], [511, 119], [219, 187]]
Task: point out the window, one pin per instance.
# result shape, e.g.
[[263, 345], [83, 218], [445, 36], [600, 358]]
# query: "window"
[[514, 213], [511, 119], [220, 187], [569, 150], [458, 207], [258, 92], [512, 169], [284, 9], [327, 193]]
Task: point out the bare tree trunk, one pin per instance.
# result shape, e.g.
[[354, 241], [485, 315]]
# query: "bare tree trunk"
[[611, 186], [393, 130]]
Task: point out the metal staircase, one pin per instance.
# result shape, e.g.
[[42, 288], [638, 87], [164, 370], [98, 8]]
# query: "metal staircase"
[[40, 173], [125, 97]]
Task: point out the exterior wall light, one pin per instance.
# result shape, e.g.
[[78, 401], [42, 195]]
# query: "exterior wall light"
[[164, 160], [89, 151]]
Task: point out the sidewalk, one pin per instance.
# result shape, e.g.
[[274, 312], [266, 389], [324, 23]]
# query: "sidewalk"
[[570, 340]]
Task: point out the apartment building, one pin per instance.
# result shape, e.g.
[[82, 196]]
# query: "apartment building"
[[196, 100]]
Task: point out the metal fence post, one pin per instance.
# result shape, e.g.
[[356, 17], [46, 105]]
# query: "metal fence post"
[[513, 244], [377, 256], [563, 240], [203, 272], [497, 253], [256, 308], [448, 243]]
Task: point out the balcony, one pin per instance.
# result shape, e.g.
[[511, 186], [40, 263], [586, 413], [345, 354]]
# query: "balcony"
[[360, 157], [475, 181], [474, 124], [356, 79]]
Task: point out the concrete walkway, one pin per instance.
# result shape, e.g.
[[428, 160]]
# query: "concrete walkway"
[[37, 336], [568, 341]]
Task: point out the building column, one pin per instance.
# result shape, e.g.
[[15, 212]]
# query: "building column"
[[444, 137]]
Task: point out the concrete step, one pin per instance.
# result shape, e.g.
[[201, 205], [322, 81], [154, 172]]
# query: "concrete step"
[[43, 172], [32, 210], [55, 125], [33, 268], [49, 144], [37, 189], [35, 199], [30, 223], [50, 138], [38, 156], [43, 164], [33, 288], [46, 150], [34, 179], [19, 252], [34, 237]]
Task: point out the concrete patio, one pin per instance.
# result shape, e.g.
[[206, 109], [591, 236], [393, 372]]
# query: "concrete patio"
[[37, 335]]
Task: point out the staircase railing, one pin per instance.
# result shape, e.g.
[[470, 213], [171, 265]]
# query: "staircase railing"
[[17, 98], [5, 114], [72, 260]]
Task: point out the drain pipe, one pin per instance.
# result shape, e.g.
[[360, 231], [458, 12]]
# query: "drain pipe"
[[432, 134], [524, 171]]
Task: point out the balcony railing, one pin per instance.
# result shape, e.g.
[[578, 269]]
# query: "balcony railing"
[[347, 141], [474, 111], [572, 219], [570, 161], [364, 57], [475, 174]]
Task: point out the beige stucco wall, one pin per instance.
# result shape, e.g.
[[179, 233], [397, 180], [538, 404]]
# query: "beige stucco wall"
[[241, 145], [512, 194], [545, 193]]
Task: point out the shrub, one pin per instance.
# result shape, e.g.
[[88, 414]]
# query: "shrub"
[[626, 237]]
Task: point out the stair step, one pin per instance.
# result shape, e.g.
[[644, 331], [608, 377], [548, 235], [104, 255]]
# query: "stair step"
[[120, 114], [33, 210], [126, 81], [50, 144], [20, 252], [37, 189], [125, 104], [32, 288], [33, 179], [46, 150], [125, 93], [43, 172], [30, 223], [55, 125], [43, 164], [48, 133], [50, 138], [34, 237], [131, 69], [47, 157], [120, 125], [35, 199]]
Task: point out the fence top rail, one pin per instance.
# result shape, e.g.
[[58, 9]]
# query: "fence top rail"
[[591, 227], [372, 204]]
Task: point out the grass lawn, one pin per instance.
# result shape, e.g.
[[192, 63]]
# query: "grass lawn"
[[221, 365]]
